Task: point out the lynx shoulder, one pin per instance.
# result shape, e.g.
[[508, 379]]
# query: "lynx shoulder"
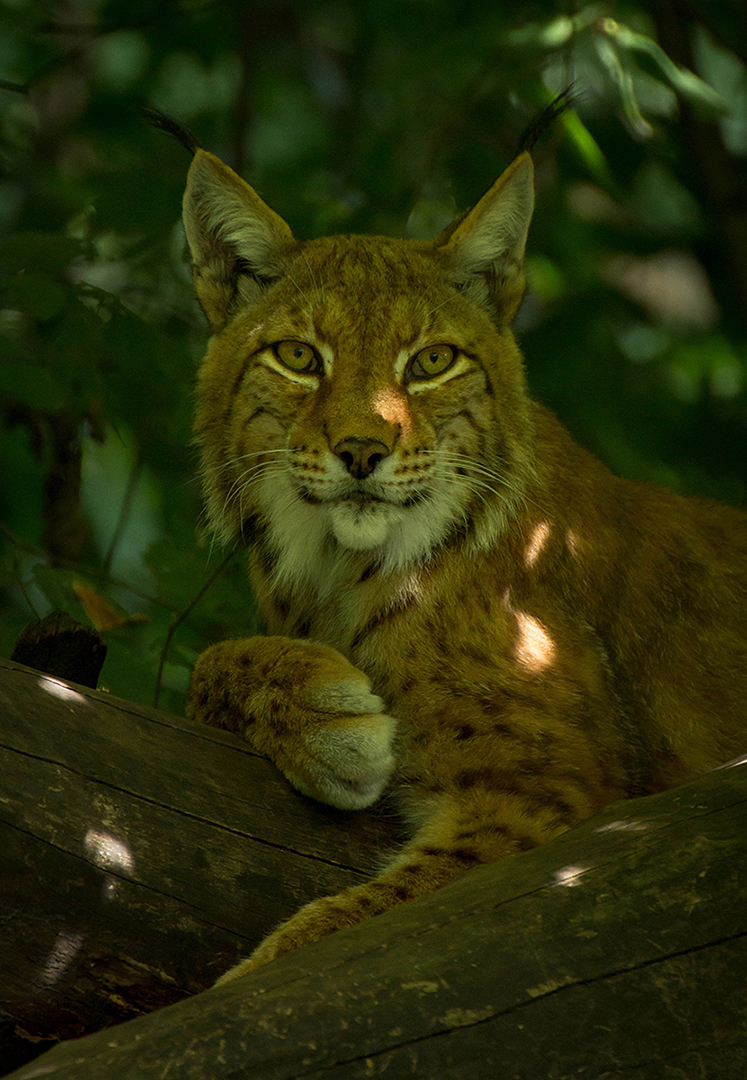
[[464, 608]]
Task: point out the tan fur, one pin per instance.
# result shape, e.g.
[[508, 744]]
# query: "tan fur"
[[538, 637]]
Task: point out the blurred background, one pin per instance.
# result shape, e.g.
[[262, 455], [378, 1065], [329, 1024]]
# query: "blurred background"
[[375, 117]]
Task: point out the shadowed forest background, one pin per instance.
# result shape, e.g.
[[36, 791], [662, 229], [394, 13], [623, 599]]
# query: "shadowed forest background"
[[346, 116]]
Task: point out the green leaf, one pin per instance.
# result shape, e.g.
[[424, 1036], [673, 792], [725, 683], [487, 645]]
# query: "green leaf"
[[685, 82], [621, 75], [588, 148]]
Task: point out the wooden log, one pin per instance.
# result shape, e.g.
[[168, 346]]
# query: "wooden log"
[[617, 951], [140, 856]]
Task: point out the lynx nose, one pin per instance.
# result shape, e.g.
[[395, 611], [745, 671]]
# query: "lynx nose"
[[361, 456]]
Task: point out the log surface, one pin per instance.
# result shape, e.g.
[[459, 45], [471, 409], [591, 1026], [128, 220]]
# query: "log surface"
[[619, 950], [141, 855]]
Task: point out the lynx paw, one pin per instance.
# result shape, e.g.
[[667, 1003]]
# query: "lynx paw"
[[339, 749], [307, 708], [346, 764]]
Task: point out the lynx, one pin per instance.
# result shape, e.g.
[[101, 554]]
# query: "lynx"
[[464, 608]]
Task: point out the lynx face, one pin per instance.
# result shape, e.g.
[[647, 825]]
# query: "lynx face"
[[363, 393]]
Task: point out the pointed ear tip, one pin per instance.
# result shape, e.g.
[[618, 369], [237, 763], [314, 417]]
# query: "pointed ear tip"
[[205, 162], [200, 158], [524, 162], [196, 165]]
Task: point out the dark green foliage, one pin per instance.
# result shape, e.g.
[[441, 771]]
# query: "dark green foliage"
[[387, 117]]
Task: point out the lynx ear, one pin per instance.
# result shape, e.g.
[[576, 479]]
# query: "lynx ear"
[[238, 244], [485, 249]]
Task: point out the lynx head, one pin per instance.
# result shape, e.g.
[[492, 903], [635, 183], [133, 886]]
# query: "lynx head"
[[359, 393]]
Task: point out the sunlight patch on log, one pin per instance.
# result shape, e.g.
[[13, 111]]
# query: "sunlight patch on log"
[[734, 762], [59, 689], [65, 949], [636, 825], [569, 876], [107, 852]]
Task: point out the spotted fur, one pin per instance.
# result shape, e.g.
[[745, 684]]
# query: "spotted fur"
[[538, 637]]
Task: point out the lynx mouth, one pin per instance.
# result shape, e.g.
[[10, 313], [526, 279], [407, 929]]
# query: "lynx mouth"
[[352, 495], [362, 501], [359, 501]]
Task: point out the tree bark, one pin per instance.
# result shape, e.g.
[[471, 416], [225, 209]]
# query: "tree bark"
[[618, 950]]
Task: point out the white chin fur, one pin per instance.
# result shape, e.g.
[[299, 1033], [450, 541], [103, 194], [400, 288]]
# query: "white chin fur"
[[361, 527], [311, 539]]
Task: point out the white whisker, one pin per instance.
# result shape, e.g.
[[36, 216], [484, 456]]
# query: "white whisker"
[[504, 484], [429, 314]]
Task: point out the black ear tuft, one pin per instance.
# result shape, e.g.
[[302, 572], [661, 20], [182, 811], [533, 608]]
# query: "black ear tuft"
[[534, 130], [161, 120]]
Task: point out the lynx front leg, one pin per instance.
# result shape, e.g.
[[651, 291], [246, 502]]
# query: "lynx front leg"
[[416, 873], [305, 707], [461, 834]]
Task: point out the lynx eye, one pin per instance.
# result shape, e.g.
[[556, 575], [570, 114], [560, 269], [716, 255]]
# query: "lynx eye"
[[297, 356], [434, 360]]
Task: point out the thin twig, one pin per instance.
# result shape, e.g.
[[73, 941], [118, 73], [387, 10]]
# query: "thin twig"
[[176, 623]]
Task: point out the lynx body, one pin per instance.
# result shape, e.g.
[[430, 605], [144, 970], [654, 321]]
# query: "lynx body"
[[462, 605]]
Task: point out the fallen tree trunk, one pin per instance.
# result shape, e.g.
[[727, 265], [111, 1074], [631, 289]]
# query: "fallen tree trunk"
[[140, 856], [618, 950]]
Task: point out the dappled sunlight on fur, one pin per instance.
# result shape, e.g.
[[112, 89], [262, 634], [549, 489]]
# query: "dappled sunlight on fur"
[[535, 649], [538, 538]]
